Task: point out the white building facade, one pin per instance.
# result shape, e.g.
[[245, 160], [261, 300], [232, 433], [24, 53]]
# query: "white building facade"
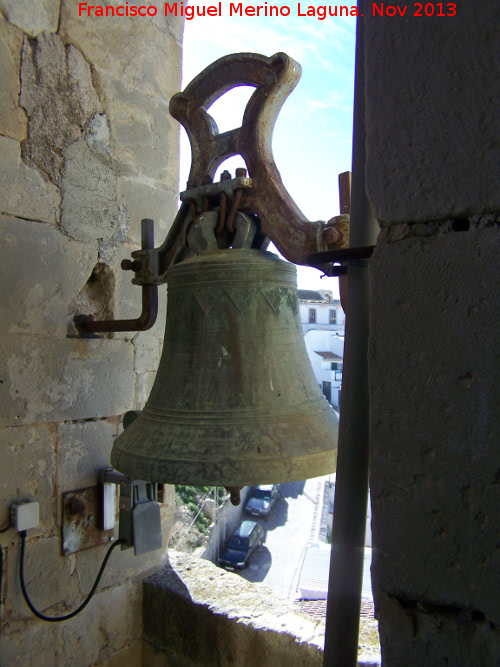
[[319, 310], [326, 351]]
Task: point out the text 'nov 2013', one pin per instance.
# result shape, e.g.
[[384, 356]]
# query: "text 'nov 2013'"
[[321, 12]]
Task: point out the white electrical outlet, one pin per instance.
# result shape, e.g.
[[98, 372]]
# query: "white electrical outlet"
[[25, 515]]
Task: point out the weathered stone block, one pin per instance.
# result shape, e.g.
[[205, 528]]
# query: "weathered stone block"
[[51, 580], [131, 656], [89, 208], [26, 643], [60, 379], [55, 120], [43, 272], [28, 453], [25, 193], [32, 18], [422, 162], [434, 443], [13, 121], [147, 200], [143, 385], [151, 61], [419, 634], [110, 623], [144, 137], [147, 352], [82, 451], [123, 566]]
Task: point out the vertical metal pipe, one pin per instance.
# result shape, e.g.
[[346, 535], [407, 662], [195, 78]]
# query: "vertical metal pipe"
[[351, 492]]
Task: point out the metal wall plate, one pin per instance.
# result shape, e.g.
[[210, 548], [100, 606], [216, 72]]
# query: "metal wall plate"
[[82, 524]]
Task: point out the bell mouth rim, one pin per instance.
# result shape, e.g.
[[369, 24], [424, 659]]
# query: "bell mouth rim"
[[146, 447], [277, 470]]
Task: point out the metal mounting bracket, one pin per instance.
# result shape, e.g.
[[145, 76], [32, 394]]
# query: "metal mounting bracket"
[[81, 524]]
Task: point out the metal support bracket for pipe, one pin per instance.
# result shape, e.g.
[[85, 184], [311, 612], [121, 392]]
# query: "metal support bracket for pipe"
[[345, 257]]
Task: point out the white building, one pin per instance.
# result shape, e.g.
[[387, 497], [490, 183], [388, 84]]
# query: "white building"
[[326, 351], [319, 310]]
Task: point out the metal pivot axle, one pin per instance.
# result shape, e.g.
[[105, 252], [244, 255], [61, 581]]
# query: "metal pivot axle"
[[262, 197]]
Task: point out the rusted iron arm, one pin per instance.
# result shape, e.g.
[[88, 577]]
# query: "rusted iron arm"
[[86, 325]]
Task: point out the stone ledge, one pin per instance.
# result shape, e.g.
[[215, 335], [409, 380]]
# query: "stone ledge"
[[196, 613]]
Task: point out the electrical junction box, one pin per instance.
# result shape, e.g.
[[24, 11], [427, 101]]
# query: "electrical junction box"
[[25, 515]]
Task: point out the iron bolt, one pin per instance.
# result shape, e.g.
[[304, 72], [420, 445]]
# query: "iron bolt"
[[131, 265], [225, 176], [331, 235], [241, 172]]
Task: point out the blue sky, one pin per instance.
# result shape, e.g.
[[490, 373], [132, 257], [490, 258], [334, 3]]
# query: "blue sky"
[[312, 137]]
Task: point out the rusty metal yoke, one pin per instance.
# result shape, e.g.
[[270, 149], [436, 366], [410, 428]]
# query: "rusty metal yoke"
[[261, 194]]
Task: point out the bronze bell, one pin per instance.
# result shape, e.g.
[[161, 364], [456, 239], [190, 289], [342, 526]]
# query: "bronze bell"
[[235, 401]]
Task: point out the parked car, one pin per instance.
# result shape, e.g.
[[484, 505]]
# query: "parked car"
[[262, 500], [248, 537]]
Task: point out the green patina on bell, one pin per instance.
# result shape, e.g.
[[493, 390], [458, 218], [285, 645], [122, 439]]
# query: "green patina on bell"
[[235, 401]]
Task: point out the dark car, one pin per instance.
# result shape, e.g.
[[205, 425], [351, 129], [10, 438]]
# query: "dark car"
[[240, 546], [262, 500]]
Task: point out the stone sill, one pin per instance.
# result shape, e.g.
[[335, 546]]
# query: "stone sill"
[[197, 614]]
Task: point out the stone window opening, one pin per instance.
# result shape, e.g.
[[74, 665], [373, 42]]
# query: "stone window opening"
[[240, 610]]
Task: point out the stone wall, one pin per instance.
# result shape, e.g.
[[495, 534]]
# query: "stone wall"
[[432, 177], [87, 149]]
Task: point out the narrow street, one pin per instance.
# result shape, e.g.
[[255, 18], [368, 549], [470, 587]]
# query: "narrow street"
[[292, 525]]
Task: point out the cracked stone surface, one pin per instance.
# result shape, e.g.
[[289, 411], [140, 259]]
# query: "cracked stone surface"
[[13, 121], [21, 13], [28, 452], [35, 301], [89, 210], [59, 379], [144, 137], [441, 636], [430, 160], [66, 136], [25, 193], [59, 98], [151, 59]]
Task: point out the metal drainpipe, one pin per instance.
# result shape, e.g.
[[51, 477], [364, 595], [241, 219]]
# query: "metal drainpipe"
[[351, 492]]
